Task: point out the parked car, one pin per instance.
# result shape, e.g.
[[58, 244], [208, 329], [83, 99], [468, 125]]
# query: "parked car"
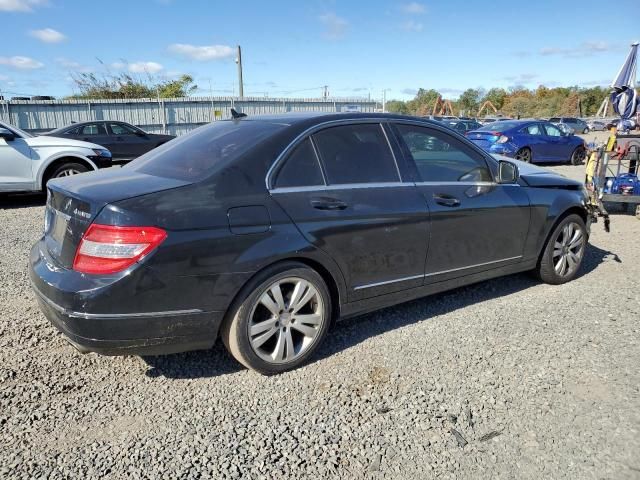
[[486, 120], [27, 163], [596, 125], [578, 125], [124, 140], [531, 141], [463, 126], [264, 230]]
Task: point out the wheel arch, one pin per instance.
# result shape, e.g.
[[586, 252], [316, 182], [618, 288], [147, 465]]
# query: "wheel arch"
[[333, 281], [47, 170], [577, 209]]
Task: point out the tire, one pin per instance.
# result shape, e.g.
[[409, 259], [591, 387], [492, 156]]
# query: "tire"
[[578, 156], [551, 267], [68, 169], [585, 131], [524, 155], [276, 325]]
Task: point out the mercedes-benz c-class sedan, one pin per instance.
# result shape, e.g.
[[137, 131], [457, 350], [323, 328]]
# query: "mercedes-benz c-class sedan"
[[263, 231]]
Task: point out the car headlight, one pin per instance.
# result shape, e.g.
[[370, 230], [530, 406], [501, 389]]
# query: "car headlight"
[[102, 152]]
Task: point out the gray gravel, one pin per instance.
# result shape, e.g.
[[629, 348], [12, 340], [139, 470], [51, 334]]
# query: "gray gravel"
[[505, 379]]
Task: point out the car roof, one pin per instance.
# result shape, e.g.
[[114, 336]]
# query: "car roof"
[[312, 118]]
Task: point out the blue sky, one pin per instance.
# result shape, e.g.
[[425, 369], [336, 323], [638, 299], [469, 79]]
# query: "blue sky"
[[293, 48]]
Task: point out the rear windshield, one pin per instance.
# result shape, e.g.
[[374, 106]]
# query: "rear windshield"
[[193, 156], [499, 125]]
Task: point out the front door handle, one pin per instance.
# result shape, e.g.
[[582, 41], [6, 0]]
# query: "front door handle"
[[328, 203], [446, 200]]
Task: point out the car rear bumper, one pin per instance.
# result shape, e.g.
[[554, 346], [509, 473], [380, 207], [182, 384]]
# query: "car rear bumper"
[[136, 333]]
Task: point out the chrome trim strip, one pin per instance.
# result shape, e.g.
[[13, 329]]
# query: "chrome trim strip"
[[344, 186], [318, 126], [480, 184], [415, 277], [107, 316], [378, 284], [472, 266]]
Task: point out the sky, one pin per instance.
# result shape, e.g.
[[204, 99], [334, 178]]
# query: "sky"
[[294, 48]]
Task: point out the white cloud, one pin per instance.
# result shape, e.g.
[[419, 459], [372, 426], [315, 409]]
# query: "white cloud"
[[21, 63], [48, 35], [410, 91], [71, 65], [4, 78], [413, 8], [118, 65], [412, 26], [20, 5], [522, 78], [202, 52], [586, 49], [145, 67], [336, 27]]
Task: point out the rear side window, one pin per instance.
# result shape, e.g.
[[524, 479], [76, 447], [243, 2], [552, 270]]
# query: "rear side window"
[[193, 156], [356, 154], [300, 169], [440, 158], [93, 129], [533, 130]]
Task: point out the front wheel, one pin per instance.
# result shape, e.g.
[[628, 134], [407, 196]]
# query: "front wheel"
[[586, 130], [578, 156], [524, 154], [563, 253], [279, 320], [69, 169]]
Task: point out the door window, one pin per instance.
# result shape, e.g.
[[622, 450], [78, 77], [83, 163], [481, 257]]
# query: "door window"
[[533, 129], [356, 154], [120, 129], [92, 129], [301, 168], [553, 131], [441, 158]]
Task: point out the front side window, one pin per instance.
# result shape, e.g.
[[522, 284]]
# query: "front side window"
[[300, 169], [356, 154], [553, 131], [440, 158], [120, 129]]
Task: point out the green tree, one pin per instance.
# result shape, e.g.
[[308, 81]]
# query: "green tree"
[[469, 101], [92, 86], [397, 106]]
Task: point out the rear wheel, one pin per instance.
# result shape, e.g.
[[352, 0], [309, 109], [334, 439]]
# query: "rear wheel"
[[586, 130], [524, 154], [279, 320], [578, 156], [562, 255]]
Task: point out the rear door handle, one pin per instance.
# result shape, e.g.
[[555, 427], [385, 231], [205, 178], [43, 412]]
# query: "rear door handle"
[[446, 200], [328, 203]]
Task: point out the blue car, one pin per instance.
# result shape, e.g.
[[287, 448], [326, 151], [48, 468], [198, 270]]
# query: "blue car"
[[534, 141]]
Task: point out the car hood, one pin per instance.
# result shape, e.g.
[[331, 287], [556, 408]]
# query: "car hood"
[[535, 176], [45, 141]]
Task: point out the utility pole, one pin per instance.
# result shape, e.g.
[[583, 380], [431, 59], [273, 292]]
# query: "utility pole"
[[325, 91], [239, 62]]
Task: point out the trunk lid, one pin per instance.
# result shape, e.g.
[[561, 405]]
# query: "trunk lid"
[[74, 202], [483, 139]]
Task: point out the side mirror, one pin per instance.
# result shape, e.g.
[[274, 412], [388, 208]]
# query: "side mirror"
[[7, 134], [507, 172]]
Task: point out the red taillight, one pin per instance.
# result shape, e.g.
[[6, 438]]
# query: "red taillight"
[[111, 249], [496, 134]]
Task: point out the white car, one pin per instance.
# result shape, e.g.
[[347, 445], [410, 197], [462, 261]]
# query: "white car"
[[27, 163]]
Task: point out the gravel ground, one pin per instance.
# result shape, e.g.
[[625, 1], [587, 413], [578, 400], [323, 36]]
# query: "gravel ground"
[[505, 379]]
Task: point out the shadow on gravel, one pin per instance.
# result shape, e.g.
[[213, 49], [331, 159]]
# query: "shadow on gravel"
[[217, 361], [201, 364], [22, 200]]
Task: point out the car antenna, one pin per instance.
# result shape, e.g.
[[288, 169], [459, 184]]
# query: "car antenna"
[[235, 114]]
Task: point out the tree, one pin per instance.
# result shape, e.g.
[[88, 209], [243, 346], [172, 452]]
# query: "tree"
[[397, 106], [92, 86], [468, 101]]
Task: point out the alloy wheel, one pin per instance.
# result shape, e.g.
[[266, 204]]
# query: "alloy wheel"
[[524, 155], [67, 172], [286, 320], [568, 249]]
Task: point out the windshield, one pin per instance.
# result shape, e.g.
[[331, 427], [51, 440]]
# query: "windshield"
[[192, 156], [499, 125], [15, 130]]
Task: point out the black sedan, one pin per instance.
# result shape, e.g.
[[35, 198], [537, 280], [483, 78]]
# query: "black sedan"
[[123, 140], [264, 230]]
